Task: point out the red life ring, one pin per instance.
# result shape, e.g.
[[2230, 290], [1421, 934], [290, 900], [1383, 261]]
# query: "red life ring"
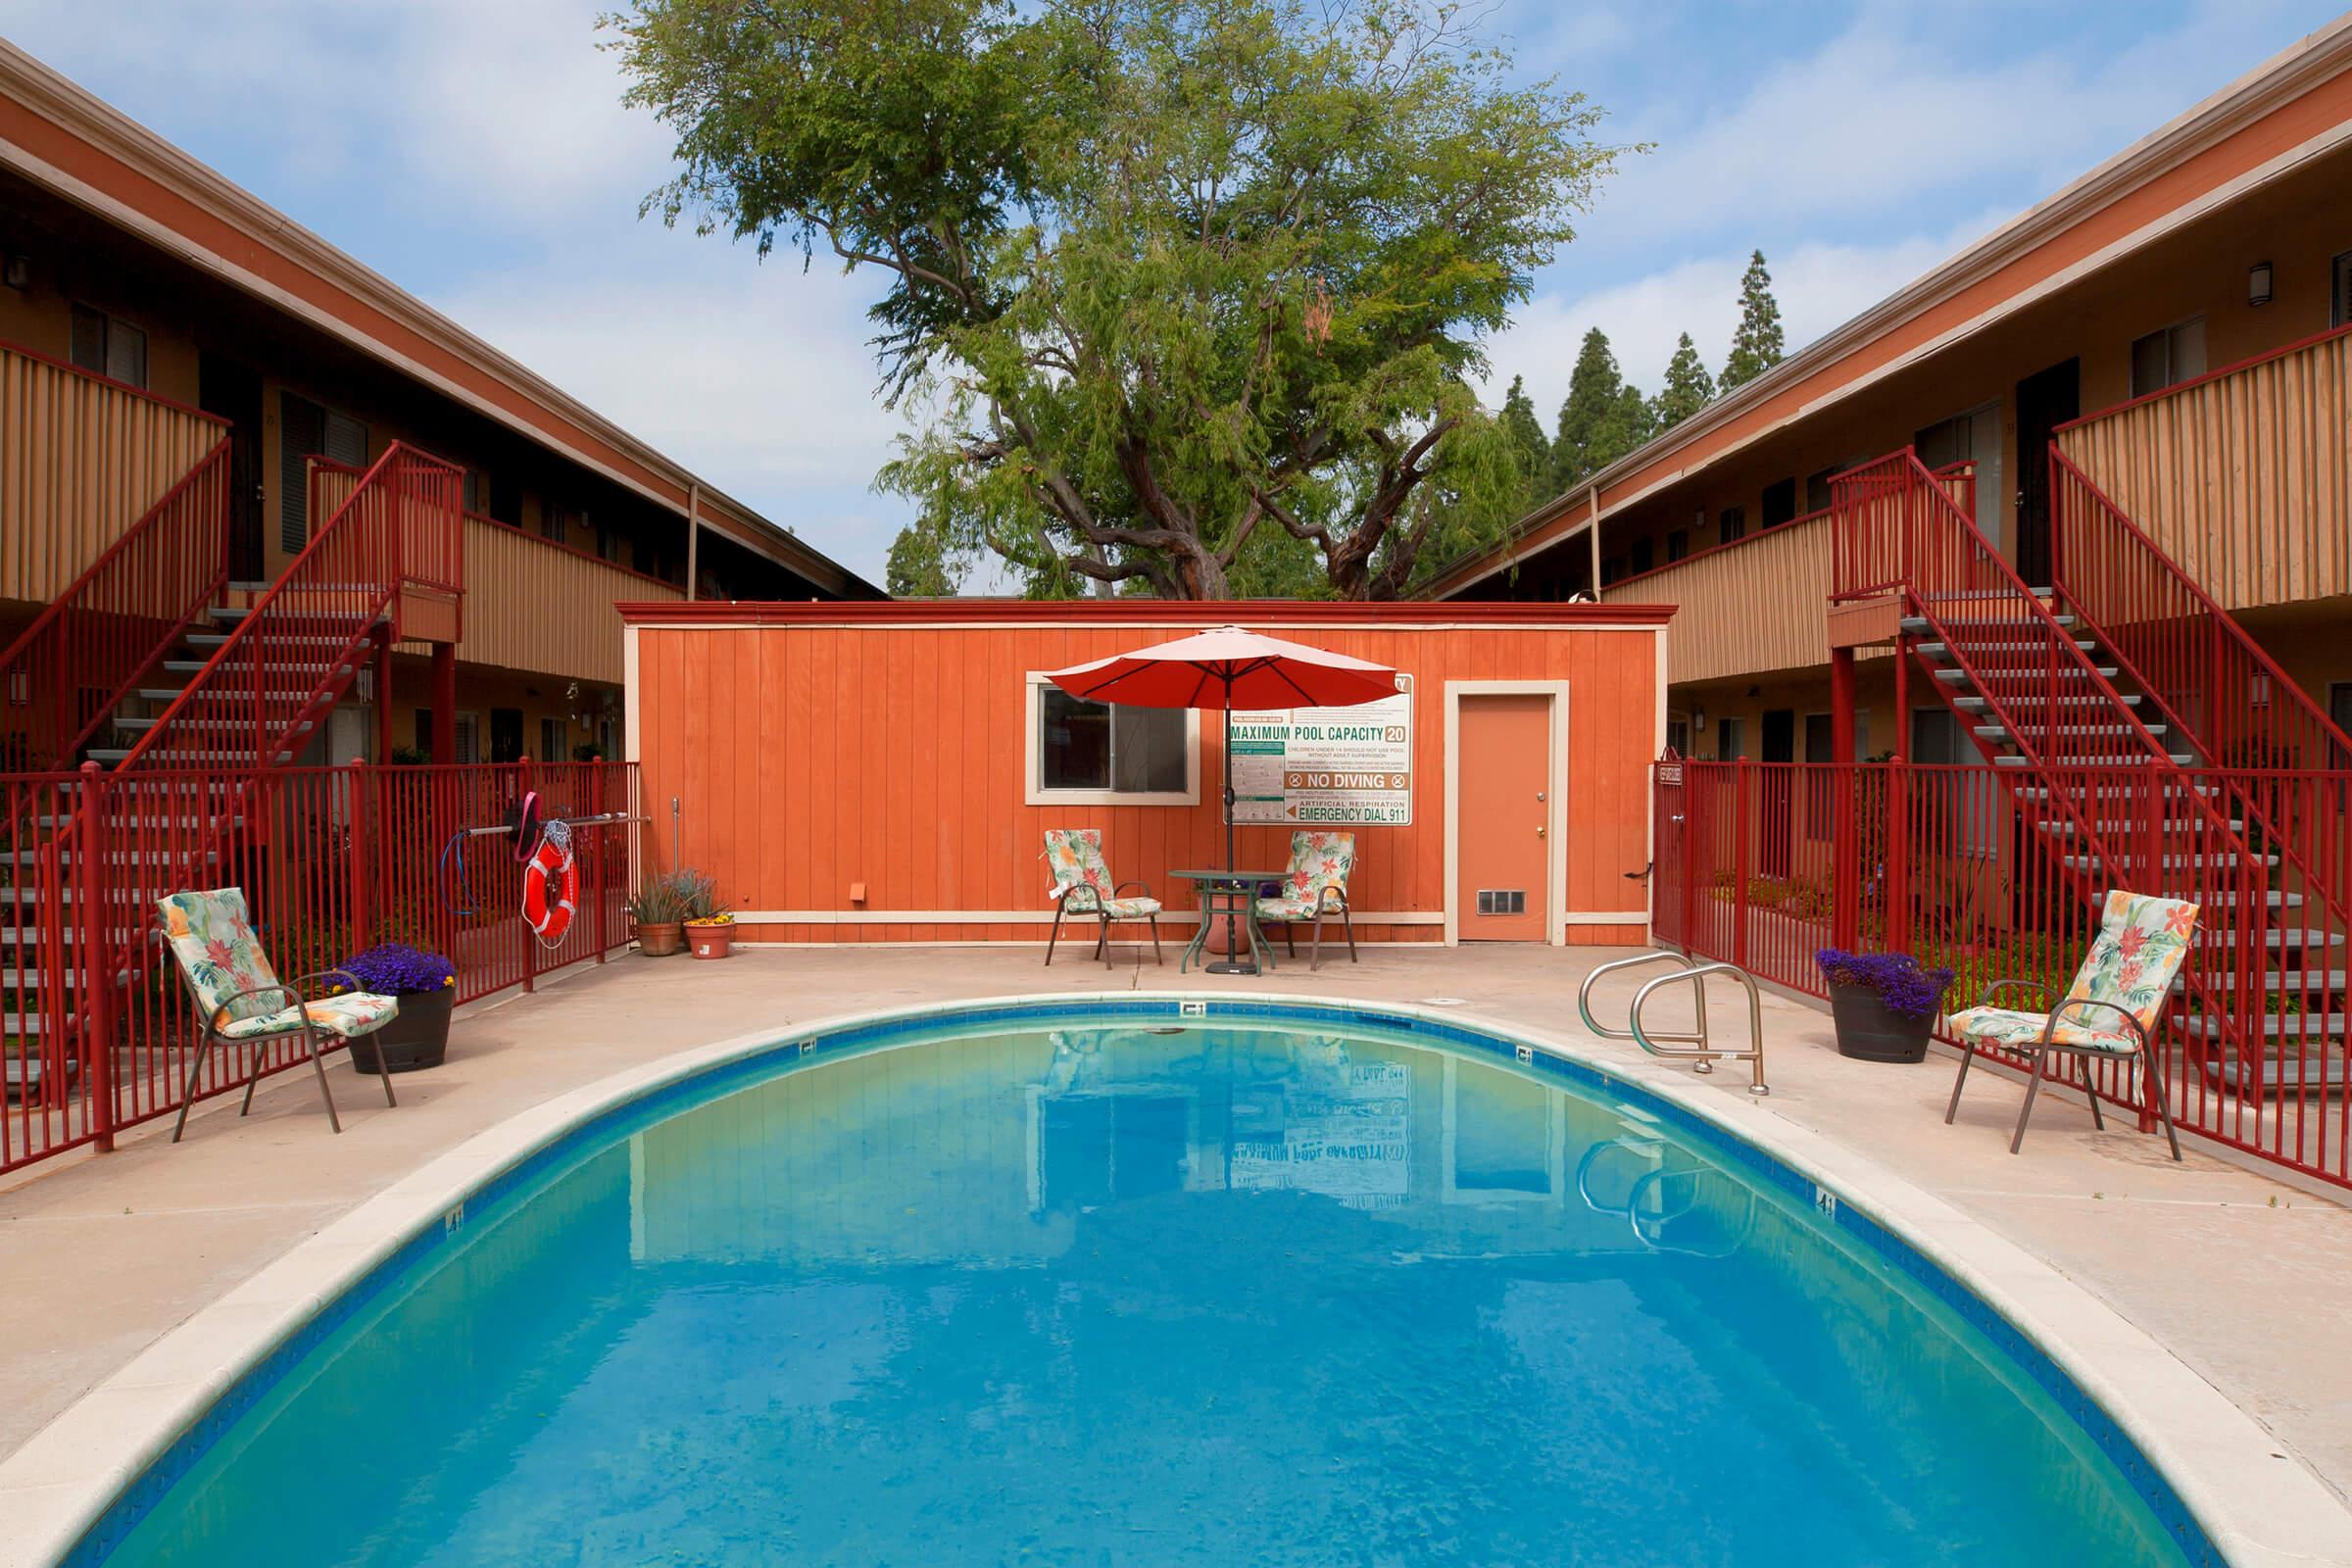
[[550, 915]]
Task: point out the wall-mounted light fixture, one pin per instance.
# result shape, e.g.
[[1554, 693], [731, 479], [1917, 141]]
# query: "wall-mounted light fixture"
[[18, 273], [2258, 284]]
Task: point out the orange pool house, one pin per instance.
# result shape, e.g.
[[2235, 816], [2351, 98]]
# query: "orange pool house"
[[887, 772]]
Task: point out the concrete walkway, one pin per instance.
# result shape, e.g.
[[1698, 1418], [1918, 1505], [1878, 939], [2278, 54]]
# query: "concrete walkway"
[[2245, 1278]]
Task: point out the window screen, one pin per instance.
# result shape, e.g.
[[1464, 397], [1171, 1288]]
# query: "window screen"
[[551, 742], [2339, 293], [2168, 357], [89, 339], [1094, 746], [1730, 523]]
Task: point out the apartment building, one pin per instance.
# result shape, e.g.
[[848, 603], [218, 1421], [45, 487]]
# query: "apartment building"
[[2173, 325], [192, 386]]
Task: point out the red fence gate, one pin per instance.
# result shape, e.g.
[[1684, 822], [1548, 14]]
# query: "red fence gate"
[[1764, 863], [97, 1024]]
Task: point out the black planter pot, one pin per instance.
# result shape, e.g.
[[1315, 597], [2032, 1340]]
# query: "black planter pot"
[[1869, 1030], [419, 1038]]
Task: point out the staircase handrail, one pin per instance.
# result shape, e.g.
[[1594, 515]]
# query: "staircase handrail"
[[349, 571], [90, 636], [2077, 576]]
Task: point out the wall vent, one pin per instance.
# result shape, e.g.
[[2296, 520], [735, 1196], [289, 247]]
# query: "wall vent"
[[1503, 900]]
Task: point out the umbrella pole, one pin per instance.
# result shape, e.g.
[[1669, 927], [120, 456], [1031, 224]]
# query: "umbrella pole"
[[1233, 962]]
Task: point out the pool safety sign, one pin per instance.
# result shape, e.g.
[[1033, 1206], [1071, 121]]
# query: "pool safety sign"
[[1326, 767]]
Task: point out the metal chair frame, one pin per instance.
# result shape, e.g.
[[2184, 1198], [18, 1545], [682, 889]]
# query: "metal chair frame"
[[212, 1038], [2150, 1092], [1328, 902], [1093, 906]]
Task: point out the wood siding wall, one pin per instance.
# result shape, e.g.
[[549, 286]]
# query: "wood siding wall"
[[808, 757], [530, 604], [2243, 477], [1758, 604], [81, 458]]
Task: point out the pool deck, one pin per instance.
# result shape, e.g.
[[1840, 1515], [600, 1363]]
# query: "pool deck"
[[2243, 1276]]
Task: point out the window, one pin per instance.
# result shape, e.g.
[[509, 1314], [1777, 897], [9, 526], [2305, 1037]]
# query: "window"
[[1678, 734], [424, 734], [1678, 544], [506, 501], [1817, 489], [555, 522], [306, 429], [1612, 567], [1821, 783], [110, 346], [2339, 709], [1780, 502], [1099, 752], [2168, 357], [641, 556], [1970, 437], [1730, 523], [477, 486], [551, 742], [2339, 289], [607, 543], [470, 739], [1644, 555], [1730, 743]]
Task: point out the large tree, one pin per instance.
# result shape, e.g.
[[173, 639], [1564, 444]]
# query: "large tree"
[[1186, 293], [1758, 343], [1688, 389], [1527, 445], [1603, 418]]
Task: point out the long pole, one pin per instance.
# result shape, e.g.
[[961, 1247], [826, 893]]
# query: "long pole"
[[1230, 865]]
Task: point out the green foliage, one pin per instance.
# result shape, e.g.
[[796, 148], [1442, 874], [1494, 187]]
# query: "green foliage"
[[673, 897], [1603, 420], [1688, 389], [923, 565], [1529, 446], [1759, 344], [1179, 285]]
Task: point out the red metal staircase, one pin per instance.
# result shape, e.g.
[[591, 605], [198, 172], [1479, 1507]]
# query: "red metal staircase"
[[2107, 783], [201, 714]]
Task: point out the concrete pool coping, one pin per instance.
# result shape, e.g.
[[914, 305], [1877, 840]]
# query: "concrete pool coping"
[[2254, 1502]]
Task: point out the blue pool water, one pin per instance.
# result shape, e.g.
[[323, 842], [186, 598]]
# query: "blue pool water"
[[1112, 1296]]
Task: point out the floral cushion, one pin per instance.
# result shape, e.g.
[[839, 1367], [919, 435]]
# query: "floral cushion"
[[2004, 1027], [212, 936], [1286, 909], [1075, 856], [2142, 944], [1318, 860], [352, 1015]]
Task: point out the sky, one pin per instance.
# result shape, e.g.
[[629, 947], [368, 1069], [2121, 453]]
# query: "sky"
[[477, 153]]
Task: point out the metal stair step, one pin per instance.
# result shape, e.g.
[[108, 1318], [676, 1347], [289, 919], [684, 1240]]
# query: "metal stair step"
[[2070, 673], [21, 1024], [2105, 825], [1920, 626], [1980, 705], [1938, 650], [2323, 981], [2169, 862], [2271, 1026], [1994, 732], [34, 979], [301, 726], [24, 935], [2181, 758], [175, 759]]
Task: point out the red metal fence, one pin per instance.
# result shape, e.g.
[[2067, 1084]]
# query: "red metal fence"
[[61, 679], [1763, 864], [331, 859]]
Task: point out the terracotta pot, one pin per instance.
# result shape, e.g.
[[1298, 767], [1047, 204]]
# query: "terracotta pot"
[[660, 939], [709, 941], [418, 1037], [1869, 1030]]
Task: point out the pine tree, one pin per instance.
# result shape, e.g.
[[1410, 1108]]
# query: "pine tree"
[[1758, 345], [1603, 420], [1525, 434], [1688, 389]]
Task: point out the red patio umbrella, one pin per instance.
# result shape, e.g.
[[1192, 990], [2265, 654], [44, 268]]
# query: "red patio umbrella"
[[1218, 667]]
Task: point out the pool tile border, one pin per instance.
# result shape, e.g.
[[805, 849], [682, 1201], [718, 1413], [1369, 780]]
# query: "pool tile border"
[[2291, 1518]]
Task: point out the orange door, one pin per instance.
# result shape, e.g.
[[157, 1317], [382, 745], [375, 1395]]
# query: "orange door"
[[1502, 881]]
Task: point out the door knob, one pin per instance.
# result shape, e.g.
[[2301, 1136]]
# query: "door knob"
[[1540, 832]]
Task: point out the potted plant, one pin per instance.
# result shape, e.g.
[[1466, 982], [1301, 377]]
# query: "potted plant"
[[1884, 1002], [660, 910], [427, 985], [710, 928]]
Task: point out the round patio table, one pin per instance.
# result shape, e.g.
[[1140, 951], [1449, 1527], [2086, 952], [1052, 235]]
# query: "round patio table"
[[1229, 895]]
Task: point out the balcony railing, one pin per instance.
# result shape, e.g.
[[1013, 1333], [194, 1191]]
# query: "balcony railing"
[[2243, 476], [1723, 593], [86, 458]]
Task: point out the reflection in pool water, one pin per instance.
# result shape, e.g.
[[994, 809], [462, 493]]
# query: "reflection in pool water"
[[1124, 1297]]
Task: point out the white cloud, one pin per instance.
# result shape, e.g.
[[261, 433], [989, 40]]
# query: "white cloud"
[[1818, 286]]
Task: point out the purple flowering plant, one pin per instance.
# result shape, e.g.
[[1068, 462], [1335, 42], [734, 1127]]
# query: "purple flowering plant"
[[396, 969], [1899, 979]]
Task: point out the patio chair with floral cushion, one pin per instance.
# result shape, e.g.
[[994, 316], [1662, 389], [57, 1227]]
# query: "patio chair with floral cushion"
[[240, 997], [2109, 1011], [1082, 885], [1314, 888]]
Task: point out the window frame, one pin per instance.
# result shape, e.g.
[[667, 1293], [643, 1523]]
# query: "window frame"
[[1033, 749], [109, 324], [2172, 375], [2339, 289]]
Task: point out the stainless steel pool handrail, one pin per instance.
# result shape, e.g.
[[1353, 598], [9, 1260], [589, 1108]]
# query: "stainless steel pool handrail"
[[1703, 1055]]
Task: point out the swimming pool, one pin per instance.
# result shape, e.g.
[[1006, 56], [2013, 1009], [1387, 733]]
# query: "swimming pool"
[[1284, 1283]]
